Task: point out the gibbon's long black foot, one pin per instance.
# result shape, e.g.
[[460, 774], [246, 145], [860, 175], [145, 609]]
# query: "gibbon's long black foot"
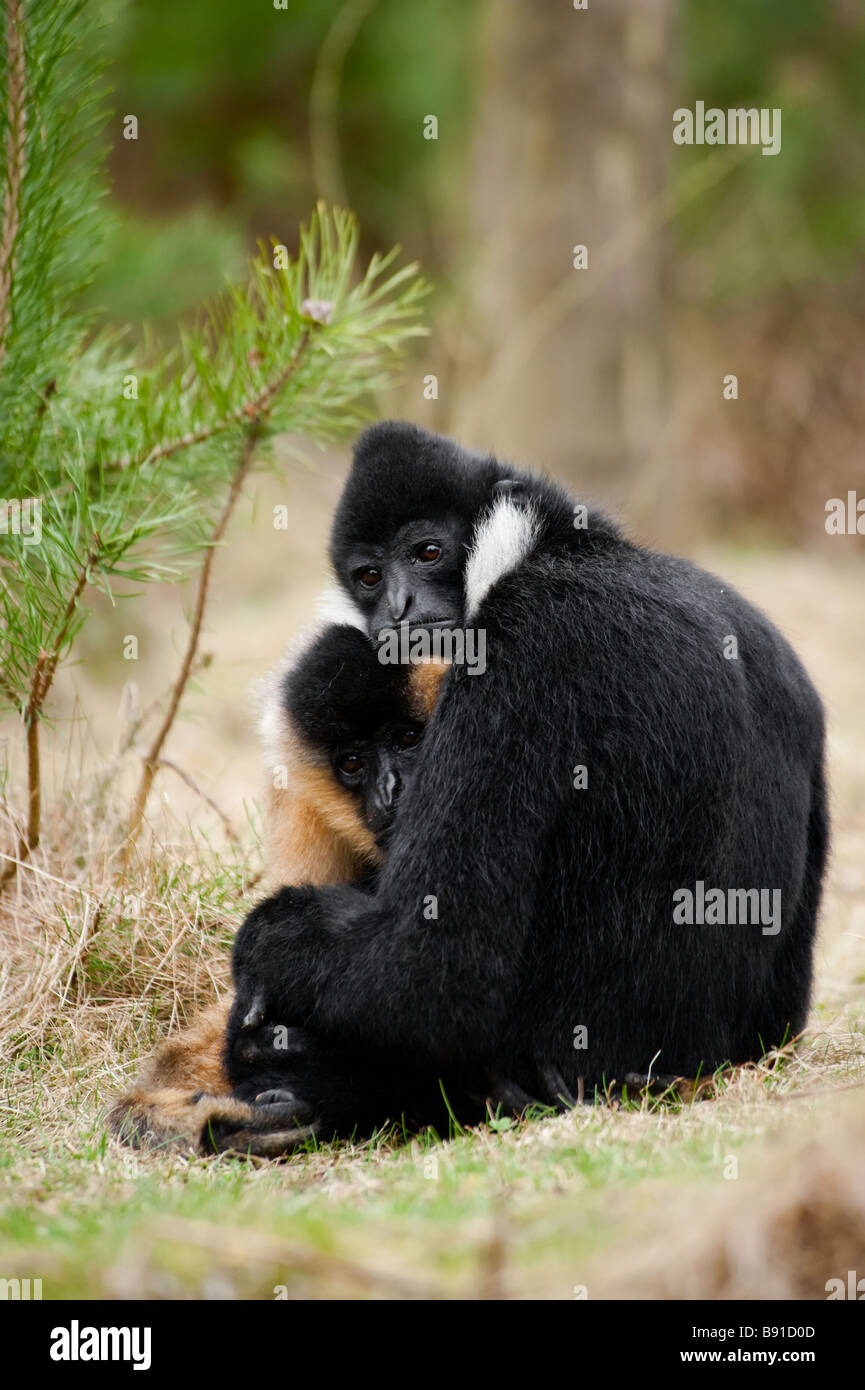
[[617, 831], [501, 1094], [556, 1092], [275, 1133], [682, 1088]]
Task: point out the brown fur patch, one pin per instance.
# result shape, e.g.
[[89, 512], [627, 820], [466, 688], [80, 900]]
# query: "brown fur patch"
[[160, 1109], [193, 1059], [424, 683], [313, 832], [173, 1118]]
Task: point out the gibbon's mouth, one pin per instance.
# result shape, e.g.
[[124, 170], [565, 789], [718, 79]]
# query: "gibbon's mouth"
[[434, 622], [424, 624]]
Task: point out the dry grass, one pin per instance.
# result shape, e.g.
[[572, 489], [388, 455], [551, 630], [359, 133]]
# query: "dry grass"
[[628, 1202]]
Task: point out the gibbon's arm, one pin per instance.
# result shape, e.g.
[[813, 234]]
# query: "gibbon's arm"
[[433, 960]]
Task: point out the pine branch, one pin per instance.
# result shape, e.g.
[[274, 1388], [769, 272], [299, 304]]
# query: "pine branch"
[[39, 418], [255, 417], [301, 346], [256, 408], [15, 150]]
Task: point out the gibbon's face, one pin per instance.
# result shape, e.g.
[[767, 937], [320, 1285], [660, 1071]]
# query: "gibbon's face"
[[415, 577], [378, 770]]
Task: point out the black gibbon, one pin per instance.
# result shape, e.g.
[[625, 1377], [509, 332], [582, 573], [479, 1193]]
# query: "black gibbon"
[[621, 824], [340, 732]]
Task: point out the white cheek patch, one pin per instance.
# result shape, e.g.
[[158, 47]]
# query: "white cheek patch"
[[333, 605], [503, 538], [267, 694]]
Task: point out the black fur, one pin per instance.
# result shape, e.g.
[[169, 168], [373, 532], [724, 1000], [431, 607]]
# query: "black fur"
[[555, 905], [339, 696], [401, 473], [334, 1089], [338, 690]]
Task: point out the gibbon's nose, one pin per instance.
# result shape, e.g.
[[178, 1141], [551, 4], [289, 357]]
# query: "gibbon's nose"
[[383, 802], [386, 790], [398, 602]]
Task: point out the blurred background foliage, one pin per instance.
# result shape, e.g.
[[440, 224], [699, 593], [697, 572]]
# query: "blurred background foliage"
[[235, 138], [555, 127], [800, 217]]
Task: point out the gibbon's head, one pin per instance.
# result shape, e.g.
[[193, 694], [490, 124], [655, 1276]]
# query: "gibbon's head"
[[362, 717], [425, 527]]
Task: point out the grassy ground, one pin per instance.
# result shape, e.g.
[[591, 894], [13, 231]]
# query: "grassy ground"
[[760, 1193]]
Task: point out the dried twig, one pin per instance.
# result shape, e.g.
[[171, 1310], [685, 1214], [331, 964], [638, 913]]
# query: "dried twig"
[[154, 754], [255, 411], [199, 791], [43, 675]]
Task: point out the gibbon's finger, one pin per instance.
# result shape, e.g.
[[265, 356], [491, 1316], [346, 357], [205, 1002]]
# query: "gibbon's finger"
[[656, 1085], [276, 1097], [261, 1143], [684, 1088], [507, 1094], [255, 1013], [557, 1092]]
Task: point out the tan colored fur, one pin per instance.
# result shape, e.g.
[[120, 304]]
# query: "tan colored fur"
[[424, 683], [312, 835], [312, 830], [194, 1058], [173, 1098], [172, 1118]]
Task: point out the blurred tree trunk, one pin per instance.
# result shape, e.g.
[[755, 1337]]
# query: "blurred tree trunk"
[[574, 135]]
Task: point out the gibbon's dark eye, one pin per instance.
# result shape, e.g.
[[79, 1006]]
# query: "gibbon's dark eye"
[[369, 578], [428, 551], [409, 738], [350, 763]]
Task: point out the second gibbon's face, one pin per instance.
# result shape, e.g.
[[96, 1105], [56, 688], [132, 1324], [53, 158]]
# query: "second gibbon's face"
[[378, 770]]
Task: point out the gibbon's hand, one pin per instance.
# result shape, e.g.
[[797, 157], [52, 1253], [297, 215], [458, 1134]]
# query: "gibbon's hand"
[[271, 960], [268, 1046]]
